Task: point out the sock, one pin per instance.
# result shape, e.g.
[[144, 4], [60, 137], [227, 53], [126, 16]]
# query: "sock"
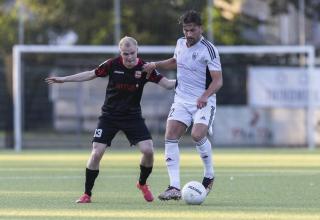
[[173, 162], [144, 174], [91, 176], [205, 152]]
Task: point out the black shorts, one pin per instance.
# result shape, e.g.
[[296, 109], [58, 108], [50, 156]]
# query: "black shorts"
[[134, 129]]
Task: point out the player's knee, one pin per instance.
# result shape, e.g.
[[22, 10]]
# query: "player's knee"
[[196, 137], [170, 135], [201, 142], [96, 154], [146, 148], [148, 152]]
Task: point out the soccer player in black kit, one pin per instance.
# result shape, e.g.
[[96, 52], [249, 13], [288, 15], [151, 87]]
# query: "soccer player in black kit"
[[121, 111]]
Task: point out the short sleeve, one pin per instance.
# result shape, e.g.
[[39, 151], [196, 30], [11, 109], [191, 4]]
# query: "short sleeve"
[[212, 59], [103, 69]]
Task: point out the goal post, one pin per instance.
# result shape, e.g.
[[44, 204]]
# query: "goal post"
[[18, 50]]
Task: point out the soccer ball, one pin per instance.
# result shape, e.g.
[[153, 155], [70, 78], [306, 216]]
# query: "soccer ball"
[[194, 193]]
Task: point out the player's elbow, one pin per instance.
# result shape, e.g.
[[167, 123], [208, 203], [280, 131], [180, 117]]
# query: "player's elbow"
[[171, 84], [166, 83]]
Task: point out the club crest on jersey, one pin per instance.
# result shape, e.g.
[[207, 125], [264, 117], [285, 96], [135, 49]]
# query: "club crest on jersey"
[[137, 74], [194, 55]]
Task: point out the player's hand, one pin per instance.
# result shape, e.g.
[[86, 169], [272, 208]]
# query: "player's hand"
[[54, 79], [149, 67], [202, 102]]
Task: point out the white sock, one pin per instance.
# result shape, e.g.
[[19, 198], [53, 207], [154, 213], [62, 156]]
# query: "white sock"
[[172, 158], [205, 152]]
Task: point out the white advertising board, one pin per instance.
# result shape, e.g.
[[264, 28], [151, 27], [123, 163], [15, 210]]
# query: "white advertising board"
[[246, 126], [281, 87]]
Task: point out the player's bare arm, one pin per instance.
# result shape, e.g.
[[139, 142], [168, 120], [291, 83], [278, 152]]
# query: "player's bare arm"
[[79, 77], [167, 83], [215, 85], [168, 64]]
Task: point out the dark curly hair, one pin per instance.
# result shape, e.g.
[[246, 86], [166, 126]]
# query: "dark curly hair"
[[190, 17]]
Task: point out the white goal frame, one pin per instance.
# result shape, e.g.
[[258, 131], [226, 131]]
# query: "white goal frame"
[[18, 50]]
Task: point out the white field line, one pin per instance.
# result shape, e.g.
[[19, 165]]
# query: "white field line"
[[300, 173], [157, 214], [249, 170]]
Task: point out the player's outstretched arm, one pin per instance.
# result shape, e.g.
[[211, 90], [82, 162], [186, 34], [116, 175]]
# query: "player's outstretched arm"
[[167, 83], [168, 64], [79, 77]]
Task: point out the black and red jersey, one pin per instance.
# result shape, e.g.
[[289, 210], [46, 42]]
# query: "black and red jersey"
[[125, 87]]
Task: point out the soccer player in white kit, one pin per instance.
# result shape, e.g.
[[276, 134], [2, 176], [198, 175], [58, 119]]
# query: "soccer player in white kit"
[[199, 77]]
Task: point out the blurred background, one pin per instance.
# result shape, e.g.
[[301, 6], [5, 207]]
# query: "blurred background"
[[265, 100]]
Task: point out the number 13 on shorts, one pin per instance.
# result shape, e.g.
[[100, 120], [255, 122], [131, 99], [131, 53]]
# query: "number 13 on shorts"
[[97, 133]]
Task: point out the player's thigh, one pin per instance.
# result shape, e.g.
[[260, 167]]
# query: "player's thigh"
[[179, 119], [199, 131], [175, 129], [135, 130], [203, 119]]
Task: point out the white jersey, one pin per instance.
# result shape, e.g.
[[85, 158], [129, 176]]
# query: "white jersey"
[[193, 66]]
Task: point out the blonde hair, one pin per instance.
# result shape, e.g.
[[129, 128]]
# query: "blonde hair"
[[127, 42]]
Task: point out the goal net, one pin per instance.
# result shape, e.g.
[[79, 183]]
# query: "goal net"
[[65, 115]]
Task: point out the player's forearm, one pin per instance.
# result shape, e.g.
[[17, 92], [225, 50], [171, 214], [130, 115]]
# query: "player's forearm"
[[166, 64], [213, 88], [215, 85], [167, 83], [171, 84], [80, 77]]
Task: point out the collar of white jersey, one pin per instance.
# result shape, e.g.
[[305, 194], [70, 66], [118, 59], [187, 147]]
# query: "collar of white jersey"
[[201, 38]]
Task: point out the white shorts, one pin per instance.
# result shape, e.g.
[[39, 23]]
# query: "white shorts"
[[188, 113]]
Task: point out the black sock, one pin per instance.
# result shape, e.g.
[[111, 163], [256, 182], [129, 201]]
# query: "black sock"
[[91, 176], [144, 174]]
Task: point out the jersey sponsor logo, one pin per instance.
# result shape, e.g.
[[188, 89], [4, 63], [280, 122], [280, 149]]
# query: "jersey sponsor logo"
[[118, 72], [126, 87], [137, 74], [203, 118], [97, 133]]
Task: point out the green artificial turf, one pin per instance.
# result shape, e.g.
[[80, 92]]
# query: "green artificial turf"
[[250, 184]]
